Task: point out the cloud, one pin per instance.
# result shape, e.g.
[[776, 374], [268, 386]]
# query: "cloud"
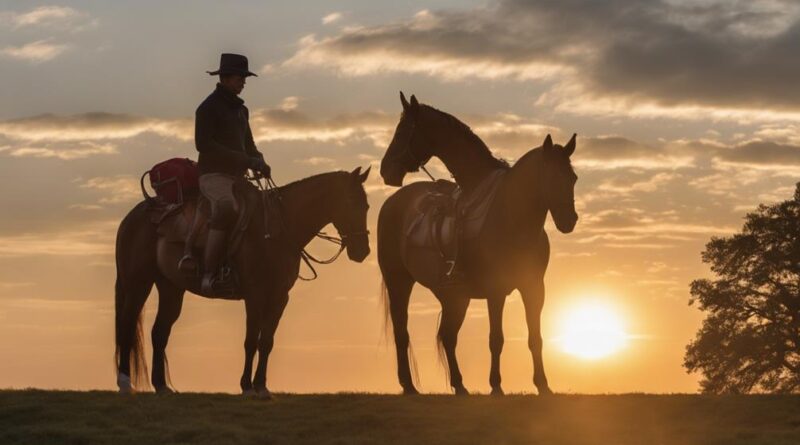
[[317, 160], [81, 150], [92, 239], [647, 58], [51, 17], [91, 126], [761, 154], [331, 18], [120, 189], [35, 52]]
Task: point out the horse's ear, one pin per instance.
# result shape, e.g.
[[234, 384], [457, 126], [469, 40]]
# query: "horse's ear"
[[547, 145], [363, 177], [570, 147], [404, 101], [356, 173], [414, 103]]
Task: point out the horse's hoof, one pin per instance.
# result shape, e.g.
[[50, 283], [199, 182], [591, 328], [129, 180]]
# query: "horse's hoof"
[[263, 394], [248, 392], [410, 391], [498, 391], [124, 384], [545, 391], [165, 390], [461, 391]]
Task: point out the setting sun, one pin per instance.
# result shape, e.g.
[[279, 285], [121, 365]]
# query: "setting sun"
[[592, 331]]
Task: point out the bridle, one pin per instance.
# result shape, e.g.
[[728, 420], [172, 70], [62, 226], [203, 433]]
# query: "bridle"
[[308, 258], [407, 155]]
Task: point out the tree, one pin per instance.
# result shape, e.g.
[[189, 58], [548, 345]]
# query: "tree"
[[750, 339]]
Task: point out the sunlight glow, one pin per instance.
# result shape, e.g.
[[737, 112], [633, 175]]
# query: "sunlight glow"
[[592, 331]]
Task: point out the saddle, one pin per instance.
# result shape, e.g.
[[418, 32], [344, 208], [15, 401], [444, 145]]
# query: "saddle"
[[447, 217], [187, 223]]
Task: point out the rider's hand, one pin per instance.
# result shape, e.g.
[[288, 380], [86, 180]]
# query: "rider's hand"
[[258, 165], [265, 169]]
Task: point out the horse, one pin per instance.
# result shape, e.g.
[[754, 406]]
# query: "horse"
[[267, 268], [510, 252]]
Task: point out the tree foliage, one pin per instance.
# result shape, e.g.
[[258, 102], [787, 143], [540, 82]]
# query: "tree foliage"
[[750, 339]]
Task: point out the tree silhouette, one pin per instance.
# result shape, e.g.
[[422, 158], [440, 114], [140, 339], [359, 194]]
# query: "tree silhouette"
[[750, 340]]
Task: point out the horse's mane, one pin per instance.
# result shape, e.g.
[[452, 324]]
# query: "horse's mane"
[[304, 181], [342, 175], [483, 148]]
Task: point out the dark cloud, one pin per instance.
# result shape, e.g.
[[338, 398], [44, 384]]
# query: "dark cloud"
[[728, 54], [762, 153]]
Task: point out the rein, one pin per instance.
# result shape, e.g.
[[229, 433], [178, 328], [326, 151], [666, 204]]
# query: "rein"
[[307, 257], [407, 152]]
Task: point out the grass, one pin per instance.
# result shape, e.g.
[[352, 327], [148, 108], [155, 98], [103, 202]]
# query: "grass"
[[63, 417]]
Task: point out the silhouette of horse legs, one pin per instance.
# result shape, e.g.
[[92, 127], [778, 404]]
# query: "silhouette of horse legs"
[[496, 339], [265, 342], [533, 298], [170, 301], [253, 325], [134, 293], [398, 289], [454, 309]]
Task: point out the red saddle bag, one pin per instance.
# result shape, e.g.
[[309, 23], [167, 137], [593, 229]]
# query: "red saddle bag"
[[173, 180]]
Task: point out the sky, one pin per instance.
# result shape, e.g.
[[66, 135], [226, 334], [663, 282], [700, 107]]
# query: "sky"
[[687, 114]]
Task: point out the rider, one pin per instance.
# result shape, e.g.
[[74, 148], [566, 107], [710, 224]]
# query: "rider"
[[225, 142]]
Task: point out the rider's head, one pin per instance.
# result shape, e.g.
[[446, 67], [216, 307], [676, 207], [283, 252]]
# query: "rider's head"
[[232, 82], [233, 70]]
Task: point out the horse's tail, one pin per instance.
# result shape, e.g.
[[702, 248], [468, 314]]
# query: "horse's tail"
[[387, 322], [138, 363]]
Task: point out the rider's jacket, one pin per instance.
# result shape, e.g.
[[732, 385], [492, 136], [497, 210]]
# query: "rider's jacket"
[[222, 134]]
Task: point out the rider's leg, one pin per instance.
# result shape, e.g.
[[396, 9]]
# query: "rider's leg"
[[218, 188]]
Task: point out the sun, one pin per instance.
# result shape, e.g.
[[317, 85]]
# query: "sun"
[[592, 331]]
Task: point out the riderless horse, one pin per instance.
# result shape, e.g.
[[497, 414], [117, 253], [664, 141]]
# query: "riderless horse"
[[510, 251], [267, 267]]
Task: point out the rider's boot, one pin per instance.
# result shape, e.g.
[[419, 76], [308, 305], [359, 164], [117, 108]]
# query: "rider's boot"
[[215, 249]]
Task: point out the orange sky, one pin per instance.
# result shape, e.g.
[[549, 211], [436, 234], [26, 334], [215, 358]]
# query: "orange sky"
[[672, 150]]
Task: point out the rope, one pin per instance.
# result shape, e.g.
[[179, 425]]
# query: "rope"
[[427, 173], [307, 257]]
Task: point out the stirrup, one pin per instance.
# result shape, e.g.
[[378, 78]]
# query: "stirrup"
[[219, 284], [188, 265]]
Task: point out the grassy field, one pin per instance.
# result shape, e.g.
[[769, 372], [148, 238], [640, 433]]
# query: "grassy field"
[[55, 417]]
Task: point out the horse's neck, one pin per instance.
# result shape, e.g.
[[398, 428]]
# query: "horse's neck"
[[465, 157], [522, 206], [307, 208]]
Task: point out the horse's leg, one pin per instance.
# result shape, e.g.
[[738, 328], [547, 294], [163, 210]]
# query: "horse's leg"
[[533, 298], [454, 309], [398, 288], [272, 316], [253, 315], [170, 301], [129, 332], [495, 305]]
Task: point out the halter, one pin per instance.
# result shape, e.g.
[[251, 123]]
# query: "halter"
[[418, 163], [307, 257]]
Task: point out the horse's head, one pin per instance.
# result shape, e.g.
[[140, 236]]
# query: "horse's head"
[[410, 148], [350, 217], [558, 183]]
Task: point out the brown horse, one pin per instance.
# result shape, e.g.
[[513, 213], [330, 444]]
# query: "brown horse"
[[510, 252], [267, 268]]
